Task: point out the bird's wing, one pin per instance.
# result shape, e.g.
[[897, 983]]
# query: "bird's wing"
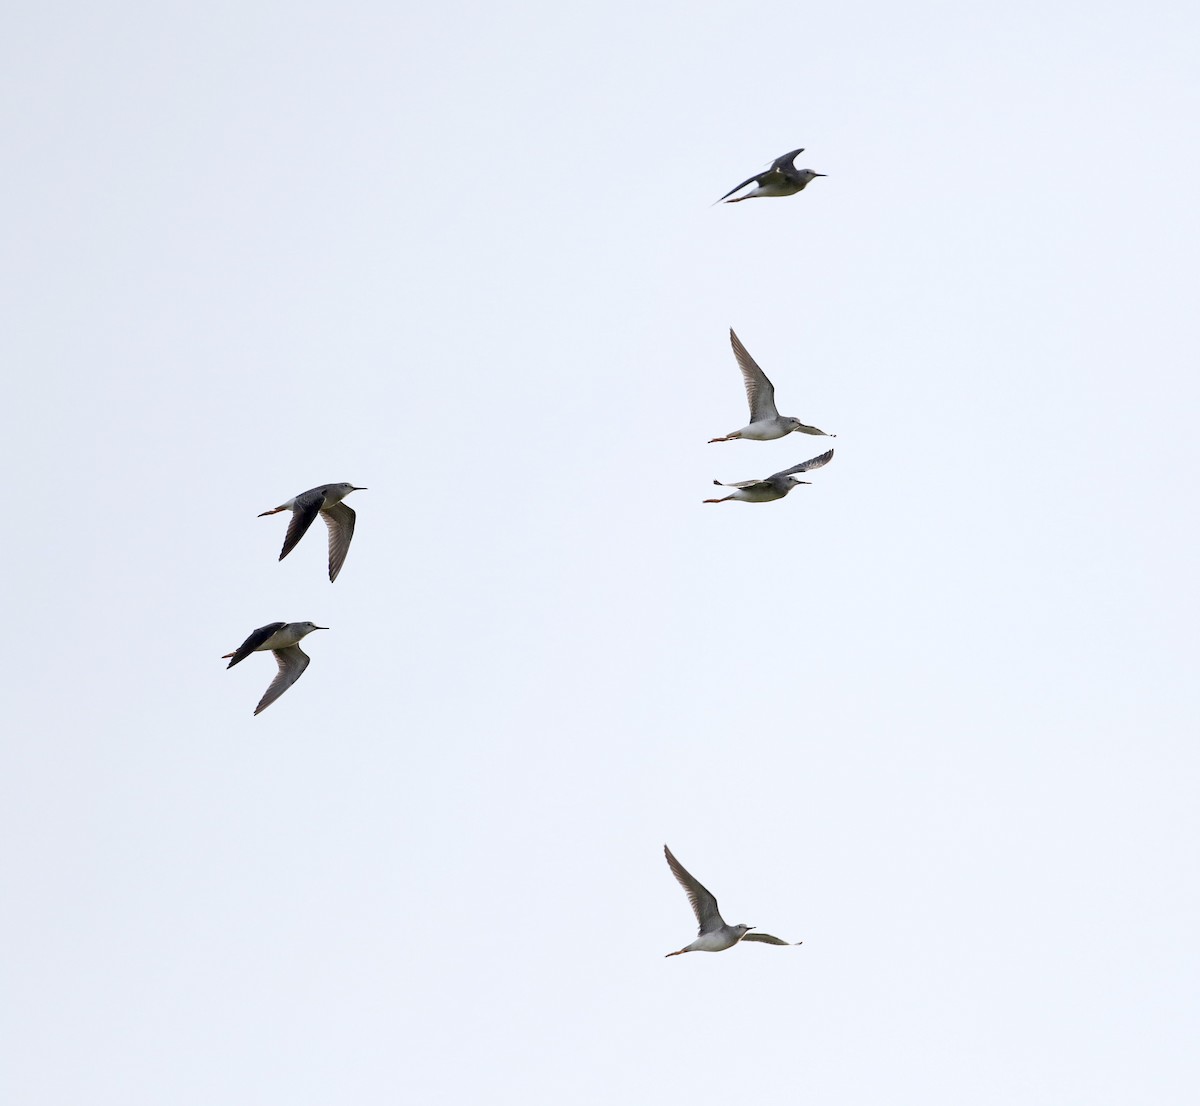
[[756, 179], [785, 164], [743, 484], [254, 641], [292, 662], [703, 903], [307, 507], [340, 520], [765, 938], [760, 392], [805, 466]]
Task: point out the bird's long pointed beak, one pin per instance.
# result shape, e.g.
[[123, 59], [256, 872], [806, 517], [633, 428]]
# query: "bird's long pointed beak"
[[320, 627], [354, 489]]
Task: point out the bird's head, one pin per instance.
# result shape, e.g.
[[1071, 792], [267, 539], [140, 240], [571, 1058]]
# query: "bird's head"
[[743, 929], [807, 174], [308, 627], [796, 480], [345, 489]]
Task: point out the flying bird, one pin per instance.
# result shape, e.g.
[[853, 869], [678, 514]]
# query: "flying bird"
[[765, 420], [715, 935], [772, 487], [325, 501], [282, 639], [782, 179]]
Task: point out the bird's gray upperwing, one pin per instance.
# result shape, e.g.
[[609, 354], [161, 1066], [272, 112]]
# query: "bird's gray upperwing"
[[766, 939], [256, 639], [292, 662], [744, 484], [703, 904], [340, 520], [307, 507], [760, 392], [785, 164], [805, 466]]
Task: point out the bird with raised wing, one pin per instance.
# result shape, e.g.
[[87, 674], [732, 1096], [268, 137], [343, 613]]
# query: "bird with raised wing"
[[325, 501], [715, 935], [775, 486], [282, 639], [782, 179], [766, 423]]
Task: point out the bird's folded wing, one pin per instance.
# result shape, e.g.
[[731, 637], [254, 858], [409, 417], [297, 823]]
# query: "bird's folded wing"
[[292, 662], [765, 938], [308, 506], [743, 484], [256, 639], [760, 392], [703, 904], [340, 520], [807, 466]]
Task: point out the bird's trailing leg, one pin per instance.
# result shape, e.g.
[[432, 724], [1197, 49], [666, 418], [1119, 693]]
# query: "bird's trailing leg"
[[723, 499], [727, 438], [274, 512], [679, 952]]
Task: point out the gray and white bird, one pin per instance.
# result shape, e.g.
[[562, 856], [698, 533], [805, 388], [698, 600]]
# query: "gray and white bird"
[[325, 501], [782, 179], [765, 422], [282, 639], [775, 486], [715, 935]]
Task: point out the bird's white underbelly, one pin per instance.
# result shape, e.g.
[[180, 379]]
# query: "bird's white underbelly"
[[776, 188], [713, 942], [762, 431], [280, 639]]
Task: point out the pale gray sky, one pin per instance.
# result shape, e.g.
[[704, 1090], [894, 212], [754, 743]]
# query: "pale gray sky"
[[934, 715]]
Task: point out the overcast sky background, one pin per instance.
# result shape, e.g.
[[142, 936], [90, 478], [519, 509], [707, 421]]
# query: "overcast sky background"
[[933, 715]]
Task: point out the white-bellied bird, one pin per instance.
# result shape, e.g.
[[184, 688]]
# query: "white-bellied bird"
[[282, 639], [765, 422], [782, 179], [775, 486], [715, 935], [325, 501]]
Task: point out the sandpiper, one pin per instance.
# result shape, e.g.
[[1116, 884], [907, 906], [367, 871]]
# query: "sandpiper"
[[325, 501], [775, 486], [282, 639], [782, 179], [715, 935], [766, 422]]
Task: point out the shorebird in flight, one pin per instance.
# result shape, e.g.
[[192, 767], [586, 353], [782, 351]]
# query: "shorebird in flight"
[[715, 935], [765, 420], [325, 501], [775, 486], [282, 639], [782, 179]]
